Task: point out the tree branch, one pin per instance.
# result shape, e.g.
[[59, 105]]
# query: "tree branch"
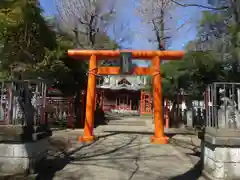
[[200, 6], [159, 39]]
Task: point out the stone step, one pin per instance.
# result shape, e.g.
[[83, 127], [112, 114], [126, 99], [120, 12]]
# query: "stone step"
[[135, 122], [124, 128]]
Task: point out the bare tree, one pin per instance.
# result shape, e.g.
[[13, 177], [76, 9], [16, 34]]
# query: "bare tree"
[[88, 21], [156, 14], [160, 16]]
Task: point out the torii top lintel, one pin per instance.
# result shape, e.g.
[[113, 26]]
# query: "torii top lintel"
[[136, 54]]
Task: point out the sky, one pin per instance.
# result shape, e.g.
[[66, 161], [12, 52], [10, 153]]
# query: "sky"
[[140, 38]]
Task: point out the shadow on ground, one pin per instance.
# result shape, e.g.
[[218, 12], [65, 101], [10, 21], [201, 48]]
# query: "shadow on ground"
[[169, 134], [192, 150], [47, 169], [100, 118], [193, 174]]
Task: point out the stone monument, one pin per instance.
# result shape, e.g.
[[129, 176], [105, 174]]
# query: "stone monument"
[[221, 137]]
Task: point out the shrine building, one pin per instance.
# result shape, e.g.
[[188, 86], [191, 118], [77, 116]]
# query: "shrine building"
[[129, 95]]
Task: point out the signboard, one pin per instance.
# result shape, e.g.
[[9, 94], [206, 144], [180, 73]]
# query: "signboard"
[[125, 62]]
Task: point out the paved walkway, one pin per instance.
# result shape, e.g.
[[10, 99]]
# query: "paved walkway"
[[119, 156]]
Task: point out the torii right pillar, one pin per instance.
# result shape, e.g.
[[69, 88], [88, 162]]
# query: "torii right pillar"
[[159, 137]]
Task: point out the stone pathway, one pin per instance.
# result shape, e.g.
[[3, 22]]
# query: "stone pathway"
[[119, 156]]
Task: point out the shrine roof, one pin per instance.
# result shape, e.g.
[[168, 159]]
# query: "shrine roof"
[[120, 82], [122, 88]]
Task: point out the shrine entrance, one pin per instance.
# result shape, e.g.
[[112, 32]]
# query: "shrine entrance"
[[145, 103], [123, 102], [126, 67]]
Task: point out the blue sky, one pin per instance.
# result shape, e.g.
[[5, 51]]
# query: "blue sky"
[[140, 41]]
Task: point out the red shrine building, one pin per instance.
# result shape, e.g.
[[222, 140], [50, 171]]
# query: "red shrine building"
[[125, 94]]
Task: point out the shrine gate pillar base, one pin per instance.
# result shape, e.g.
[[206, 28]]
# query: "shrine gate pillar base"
[[86, 139], [90, 105], [159, 136], [159, 140]]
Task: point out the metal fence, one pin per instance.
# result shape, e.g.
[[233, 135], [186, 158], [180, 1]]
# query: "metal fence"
[[198, 113], [60, 110], [222, 101], [22, 102]]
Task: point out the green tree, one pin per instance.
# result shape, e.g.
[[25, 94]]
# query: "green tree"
[[30, 44], [25, 39], [212, 56]]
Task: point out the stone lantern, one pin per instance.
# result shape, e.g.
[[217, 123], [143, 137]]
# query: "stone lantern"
[[220, 147]]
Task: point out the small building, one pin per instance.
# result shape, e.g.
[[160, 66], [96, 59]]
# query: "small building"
[[125, 94]]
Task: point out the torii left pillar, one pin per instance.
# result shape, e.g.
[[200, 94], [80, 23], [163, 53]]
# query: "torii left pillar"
[[154, 56], [91, 97]]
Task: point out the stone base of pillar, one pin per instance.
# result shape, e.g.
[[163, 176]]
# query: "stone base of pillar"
[[159, 140], [221, 154], [19, 155], [86, 139]]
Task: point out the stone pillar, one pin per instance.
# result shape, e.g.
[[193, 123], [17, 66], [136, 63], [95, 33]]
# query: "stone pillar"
[[190, 118], [221, 153]]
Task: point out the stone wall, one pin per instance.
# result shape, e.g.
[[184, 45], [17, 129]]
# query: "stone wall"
[[18, 158], [221, 162]]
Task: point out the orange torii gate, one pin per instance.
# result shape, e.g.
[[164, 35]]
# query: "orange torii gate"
[[154, 56]]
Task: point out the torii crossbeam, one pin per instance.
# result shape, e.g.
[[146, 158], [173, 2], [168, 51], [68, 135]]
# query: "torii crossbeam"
[[154, 56]]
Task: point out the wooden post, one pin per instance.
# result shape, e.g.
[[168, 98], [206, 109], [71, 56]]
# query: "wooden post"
[[70, 113], [167, 114], [159, 137], [101, 100], [141, 103], [130, 105], [44, 99], [149, 102], [83, 93], [90, 105]]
